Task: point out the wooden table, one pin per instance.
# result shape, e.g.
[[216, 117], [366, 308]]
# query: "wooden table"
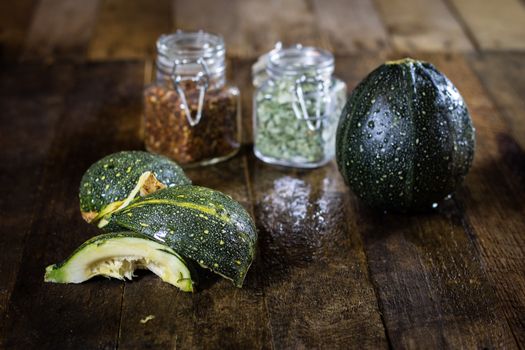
[[330, 273]]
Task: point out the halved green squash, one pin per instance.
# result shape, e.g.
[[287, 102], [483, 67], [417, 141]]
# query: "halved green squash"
[[118, 255], [201, 224], [113, 181]]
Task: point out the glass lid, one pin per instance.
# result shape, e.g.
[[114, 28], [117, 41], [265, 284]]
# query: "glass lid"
[[298, 60], [188, 49]]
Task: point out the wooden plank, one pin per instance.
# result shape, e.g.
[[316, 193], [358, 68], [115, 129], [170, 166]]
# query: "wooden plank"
[[240, 76], [312, 252], [253, 26], [129, 29], [493, 197], [288, 21], [219, 316], [31, 100], [353, 68], [432, 287], [362, 29], [503, 75], [495, 25], [60, 29], [422, 25], [98, 118], [209, 16], [14, 23], [428, 275], [315, 271]]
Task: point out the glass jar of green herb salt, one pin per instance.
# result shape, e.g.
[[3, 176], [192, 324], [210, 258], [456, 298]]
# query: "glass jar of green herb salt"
[[297, 104]]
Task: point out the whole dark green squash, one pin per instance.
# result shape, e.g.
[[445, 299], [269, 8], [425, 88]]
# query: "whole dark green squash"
[[201, 224], [405, 139], [113, 181]]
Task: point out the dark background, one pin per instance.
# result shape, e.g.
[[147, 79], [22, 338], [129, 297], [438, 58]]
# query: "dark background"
[[330, 273]]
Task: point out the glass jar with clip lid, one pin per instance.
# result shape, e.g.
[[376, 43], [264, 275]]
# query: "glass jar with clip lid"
[[297, 104], [191, 114]]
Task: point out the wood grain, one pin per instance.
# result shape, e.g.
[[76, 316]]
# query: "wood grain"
[[495, 25], [14, 23], [251, 27], [60, 29], [432, 293], [94, 122], [288, 21], [210, 16], [31, 100], [308, 240], [240, 75], [422, 25], [129, 29], [492, 199], [503, 75], [350, 26], [329, 273], [219, 315]]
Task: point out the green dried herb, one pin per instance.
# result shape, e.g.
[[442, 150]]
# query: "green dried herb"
[[282, 136]]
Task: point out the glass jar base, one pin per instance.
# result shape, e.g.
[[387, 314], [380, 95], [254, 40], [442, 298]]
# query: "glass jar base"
[[291, 164], [211, 161], [205, 162]]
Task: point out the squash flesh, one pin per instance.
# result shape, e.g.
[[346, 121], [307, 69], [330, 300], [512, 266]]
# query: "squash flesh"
[[118, 255]]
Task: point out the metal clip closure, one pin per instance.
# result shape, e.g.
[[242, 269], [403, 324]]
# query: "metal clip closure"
[[201, 79], [299, 104]]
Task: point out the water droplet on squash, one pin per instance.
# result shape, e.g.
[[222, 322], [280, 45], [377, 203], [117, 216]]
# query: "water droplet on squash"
[[371, 124]]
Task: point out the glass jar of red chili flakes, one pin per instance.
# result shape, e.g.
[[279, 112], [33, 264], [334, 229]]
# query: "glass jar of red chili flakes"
[[191, 114]]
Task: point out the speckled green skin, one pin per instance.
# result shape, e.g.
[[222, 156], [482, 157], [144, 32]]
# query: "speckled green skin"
[[113, 177], [405, 139], [201, 224]]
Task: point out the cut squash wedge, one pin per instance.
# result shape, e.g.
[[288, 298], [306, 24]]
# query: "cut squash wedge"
[[118, 255]]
